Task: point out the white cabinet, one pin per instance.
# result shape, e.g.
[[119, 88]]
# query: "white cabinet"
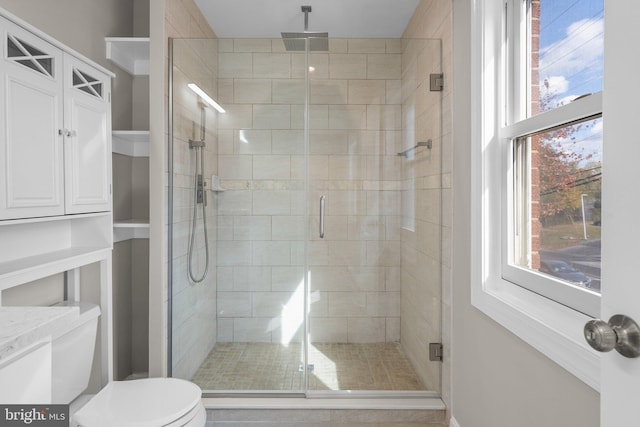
[[56, 119], [88, 133], [31, 150]]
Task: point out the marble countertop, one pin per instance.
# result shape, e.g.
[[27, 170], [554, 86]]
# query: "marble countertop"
[[22, 326]]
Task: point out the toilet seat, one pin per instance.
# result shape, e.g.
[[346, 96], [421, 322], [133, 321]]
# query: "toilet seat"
[[152, 402]]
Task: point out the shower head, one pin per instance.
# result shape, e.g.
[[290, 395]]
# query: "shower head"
[[297, 41]]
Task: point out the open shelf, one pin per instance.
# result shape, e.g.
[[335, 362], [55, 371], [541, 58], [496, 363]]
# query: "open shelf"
[[134, 143], [26, 269], [130, 53], [130, 229]]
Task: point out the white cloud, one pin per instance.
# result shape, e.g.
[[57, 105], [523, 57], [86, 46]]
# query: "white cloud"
[[555, 84], [580, 50]]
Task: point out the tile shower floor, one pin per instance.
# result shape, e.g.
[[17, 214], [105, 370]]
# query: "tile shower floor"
[[267, 366]]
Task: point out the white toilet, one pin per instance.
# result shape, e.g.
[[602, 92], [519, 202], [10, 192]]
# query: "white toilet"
[[152, 402]]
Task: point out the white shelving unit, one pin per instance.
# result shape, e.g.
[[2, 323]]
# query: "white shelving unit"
[[130, 53], [130, 229], [134, 143]]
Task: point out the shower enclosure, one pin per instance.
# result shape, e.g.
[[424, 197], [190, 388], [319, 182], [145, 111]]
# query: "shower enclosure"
[[323, 179]]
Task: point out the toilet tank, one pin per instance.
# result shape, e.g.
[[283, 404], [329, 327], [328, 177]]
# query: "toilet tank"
[[72, 354]]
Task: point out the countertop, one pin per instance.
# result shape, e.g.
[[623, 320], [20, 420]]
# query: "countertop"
[[21, 327]]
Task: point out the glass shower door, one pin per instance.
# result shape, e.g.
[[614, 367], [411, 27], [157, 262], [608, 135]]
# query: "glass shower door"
[[374, 162], [287, 307], [249, 335]]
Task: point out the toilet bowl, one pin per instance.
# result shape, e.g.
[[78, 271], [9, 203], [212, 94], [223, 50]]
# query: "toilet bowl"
[[149, 402]]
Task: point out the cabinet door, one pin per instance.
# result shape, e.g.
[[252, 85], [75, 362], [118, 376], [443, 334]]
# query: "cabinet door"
[[87, 138], [31, 151]]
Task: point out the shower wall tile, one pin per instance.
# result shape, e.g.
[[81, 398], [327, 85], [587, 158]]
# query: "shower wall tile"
[[272, 167], [319, 65], [348, 117], [225, 329], [252, 91], [271, 117], [251, 228], [249, 141], [355, 121], [272, 65], [238, 116], [327, 329], [252, 45], [234, 304], [367, 92], [271, 253], [385, 117], [346, 304], [235, 167], [235, 203], [328, 142], [251, 278], [367, 45], [287, 278], [366, 329], [347, 66], [322, 92], [346, 167], [234, 253], [288, 91], [288, 227], [271, 202], [388, 66], [235, 65], [287, 142], [250, 329]]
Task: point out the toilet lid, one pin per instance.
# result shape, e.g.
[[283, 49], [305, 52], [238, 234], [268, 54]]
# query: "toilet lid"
[[148, 402]]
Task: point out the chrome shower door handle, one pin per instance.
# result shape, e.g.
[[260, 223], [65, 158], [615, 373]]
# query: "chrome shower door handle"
[[322, 217]]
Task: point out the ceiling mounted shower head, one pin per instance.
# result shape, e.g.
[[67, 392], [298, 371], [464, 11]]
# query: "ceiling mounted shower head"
[[297, 41]]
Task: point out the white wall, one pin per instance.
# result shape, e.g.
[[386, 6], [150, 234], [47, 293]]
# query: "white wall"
[[498, 380]]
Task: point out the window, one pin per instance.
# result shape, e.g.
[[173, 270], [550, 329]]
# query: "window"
[[537, 129], [554, 135]]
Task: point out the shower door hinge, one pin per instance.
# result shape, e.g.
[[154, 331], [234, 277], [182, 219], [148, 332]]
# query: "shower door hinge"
[[435, 352], [436, 82]]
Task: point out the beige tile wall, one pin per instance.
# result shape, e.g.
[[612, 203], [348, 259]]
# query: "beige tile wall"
[[356, 130]]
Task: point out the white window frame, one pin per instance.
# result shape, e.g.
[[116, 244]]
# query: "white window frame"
[[552, 328]]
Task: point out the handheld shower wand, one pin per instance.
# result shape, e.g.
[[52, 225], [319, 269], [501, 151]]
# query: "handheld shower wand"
[[199, 197]]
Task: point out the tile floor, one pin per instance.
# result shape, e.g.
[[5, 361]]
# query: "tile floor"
[[267, 366]]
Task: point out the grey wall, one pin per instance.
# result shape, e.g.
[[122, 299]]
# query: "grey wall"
[[82, 25], [498, 380]]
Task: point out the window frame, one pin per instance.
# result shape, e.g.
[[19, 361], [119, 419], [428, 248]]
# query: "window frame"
[[549, 326]]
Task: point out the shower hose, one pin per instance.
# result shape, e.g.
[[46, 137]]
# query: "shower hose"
[[198, 186]]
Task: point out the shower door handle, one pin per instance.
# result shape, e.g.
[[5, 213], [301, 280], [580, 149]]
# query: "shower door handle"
[[322, 217]]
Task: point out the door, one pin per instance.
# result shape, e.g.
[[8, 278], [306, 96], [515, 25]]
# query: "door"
[[31, 152], [87, 138], [620, 383]]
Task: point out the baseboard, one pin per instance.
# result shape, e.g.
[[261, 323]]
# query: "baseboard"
[[453, 423]]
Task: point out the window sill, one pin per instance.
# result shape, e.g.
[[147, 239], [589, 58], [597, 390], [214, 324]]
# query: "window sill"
[[549, 327]]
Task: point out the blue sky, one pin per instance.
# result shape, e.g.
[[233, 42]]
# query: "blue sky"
[[571, 45], [571, 48]]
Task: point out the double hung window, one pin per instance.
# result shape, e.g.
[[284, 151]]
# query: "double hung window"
[[537, 68], [552, 138]]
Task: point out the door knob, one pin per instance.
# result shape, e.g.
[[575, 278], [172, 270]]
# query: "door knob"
[[621, 333]]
